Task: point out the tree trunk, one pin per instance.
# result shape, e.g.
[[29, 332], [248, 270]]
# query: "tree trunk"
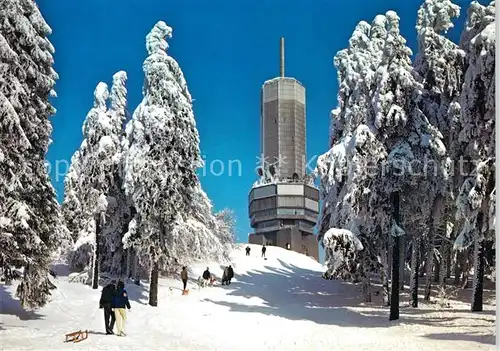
[[448, 261], [367, 288], [402, 264], [385, 276], [437, 268], [394, 312], [465, 272], [7, 273], [445, 249], [423, 263], [477, 294], [415, 263], [458, 265], [429, 262], [428, 269], [136, 272], [95, 265], [480, 250], [130, 262], [153, 283]]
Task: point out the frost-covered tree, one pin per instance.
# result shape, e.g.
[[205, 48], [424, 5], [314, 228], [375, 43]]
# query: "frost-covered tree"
[[440, 64], [73, 205], [348, 169], [30, 223], [225, 229], [162, 156], [413, 144], [95, 206], [476, 198], [118, 209], [382, 145], [199, 234]]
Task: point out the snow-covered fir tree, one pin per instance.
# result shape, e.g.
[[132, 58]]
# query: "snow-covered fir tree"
[[476, 198], [439, 63], [344, 181], [201, 235], [381, 143], [95, 207], [118, 210], [162, 156], [225, 229], [30, 222]]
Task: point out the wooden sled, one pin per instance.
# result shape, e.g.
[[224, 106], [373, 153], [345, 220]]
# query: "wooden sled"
[[185, 292], [77, 336]]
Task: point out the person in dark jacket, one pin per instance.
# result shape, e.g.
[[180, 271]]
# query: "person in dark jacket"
[[206, 277], [247, 249], [225, 278], [120, 301], [105, 302], [230, 274], [264, 251], [184, 277]]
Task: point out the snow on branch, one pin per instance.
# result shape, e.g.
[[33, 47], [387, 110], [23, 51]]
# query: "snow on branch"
[[437, 15], [396, 230], [118, 96], [155, 40], [336, 238]]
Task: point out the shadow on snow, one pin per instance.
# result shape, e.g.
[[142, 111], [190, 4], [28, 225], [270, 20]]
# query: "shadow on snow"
[[472, 337], [296, 293], [12, 306]]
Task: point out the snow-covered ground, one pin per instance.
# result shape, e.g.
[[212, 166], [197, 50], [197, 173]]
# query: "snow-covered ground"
[[281, 303]]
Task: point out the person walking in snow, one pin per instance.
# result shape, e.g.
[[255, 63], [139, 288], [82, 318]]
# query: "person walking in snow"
[[247, 249], [120, 301], [230, 274], [105, 302], [206, 277], [225, 278], [184, 277], [264, 251]]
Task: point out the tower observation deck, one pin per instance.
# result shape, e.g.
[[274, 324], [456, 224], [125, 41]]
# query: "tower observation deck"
[[284, 203]]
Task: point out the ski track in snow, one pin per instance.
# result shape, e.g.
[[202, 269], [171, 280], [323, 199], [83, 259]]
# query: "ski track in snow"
[[281, 303]]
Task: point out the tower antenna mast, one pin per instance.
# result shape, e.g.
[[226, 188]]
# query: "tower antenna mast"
[[282, 57]]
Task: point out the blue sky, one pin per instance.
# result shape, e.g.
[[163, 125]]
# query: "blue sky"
[[226, 49]]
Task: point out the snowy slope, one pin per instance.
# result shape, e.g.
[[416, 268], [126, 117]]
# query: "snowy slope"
[[280, 303]]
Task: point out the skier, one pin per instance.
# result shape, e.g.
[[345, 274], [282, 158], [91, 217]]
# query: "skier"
[[184, 277], [247, 250], [105, 302], [264, 251], [206, 276], [225, 276], [230, 274], [120, 301]]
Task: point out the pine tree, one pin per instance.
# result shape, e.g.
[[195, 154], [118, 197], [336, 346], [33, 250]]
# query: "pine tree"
[[30, 223], [440, 64], [95, 206], [118, 209], [376, 171], [162, 156], [226, 228], [345, 183], [476, 197]]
